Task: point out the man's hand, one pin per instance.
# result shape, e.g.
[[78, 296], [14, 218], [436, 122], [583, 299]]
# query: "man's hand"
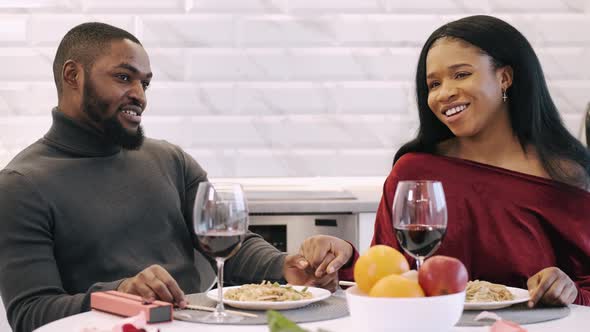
[[317, 264], [154, 283], [551, 286]]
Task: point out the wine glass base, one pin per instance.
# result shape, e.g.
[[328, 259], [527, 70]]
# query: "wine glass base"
[[220, 318]]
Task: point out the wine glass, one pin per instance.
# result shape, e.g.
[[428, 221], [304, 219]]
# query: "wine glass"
[[419, 217], [220, 220]]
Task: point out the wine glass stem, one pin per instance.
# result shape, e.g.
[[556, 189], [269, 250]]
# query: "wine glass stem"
[[220, 309], [419, 262]]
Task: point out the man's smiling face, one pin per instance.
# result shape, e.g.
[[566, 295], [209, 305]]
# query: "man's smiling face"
[[114, 92]]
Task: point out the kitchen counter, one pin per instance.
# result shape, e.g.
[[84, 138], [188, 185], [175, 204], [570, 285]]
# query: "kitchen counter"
[[311, 195]]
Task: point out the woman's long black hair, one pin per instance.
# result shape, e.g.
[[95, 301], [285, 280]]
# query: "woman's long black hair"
[[533, 115]]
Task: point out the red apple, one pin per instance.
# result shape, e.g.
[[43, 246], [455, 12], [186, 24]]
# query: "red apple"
[[441, 275]]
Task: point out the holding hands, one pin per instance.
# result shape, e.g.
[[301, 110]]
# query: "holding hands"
[[318, 261]]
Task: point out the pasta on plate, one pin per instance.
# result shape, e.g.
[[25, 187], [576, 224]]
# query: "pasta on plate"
[[483, 291], [267, 291]]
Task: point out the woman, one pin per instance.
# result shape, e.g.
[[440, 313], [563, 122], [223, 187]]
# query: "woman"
[[515, 179]]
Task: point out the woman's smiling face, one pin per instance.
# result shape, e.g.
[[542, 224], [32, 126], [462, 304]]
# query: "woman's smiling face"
[[464, 87]]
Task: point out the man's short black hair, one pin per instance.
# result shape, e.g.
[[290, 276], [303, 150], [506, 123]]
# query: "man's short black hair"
[[84, 43]]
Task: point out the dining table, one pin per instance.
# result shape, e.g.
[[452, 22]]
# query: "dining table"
[[97, 321]]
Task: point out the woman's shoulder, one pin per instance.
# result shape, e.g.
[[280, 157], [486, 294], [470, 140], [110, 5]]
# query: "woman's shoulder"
[[575, 174], [563, 170], [411, 159], [438, 153], [418, 165]]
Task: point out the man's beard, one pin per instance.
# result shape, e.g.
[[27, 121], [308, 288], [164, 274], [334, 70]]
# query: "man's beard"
[[114, 132]]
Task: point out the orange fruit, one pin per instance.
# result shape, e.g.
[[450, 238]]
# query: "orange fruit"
[[396, 286], [378, 262]]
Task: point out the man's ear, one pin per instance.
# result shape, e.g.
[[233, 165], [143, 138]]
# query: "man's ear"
[[505, 75], [73, 74]]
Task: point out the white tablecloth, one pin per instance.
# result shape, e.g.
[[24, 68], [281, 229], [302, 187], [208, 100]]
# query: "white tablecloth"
[[578, 320]]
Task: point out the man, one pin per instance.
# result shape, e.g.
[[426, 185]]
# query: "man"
[[93, 205]]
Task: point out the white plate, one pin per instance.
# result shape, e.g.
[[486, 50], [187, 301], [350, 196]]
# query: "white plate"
[[520, 295], [317, 293]]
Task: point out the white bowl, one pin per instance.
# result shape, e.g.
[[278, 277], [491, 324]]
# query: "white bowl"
[[423, 314]]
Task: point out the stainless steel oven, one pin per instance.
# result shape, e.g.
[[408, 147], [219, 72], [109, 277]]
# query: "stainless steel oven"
[[287, 231]]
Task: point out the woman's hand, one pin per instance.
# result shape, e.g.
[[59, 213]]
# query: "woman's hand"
[[551, 286]]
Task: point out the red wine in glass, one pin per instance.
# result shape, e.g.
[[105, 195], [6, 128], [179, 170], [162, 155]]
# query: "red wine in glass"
[[420, 240], [220, 223], [220, 244], [419, 217]]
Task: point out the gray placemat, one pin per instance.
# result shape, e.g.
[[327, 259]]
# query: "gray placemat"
[[519, 313], [330, 308]]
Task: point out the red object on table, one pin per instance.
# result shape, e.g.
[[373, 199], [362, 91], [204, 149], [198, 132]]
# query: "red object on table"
[[127, 305]]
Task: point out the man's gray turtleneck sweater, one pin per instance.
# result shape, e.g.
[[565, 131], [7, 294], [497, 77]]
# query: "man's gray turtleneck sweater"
[[78, 215]]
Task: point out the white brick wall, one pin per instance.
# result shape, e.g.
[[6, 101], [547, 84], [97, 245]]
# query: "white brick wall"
[[278, 87]]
